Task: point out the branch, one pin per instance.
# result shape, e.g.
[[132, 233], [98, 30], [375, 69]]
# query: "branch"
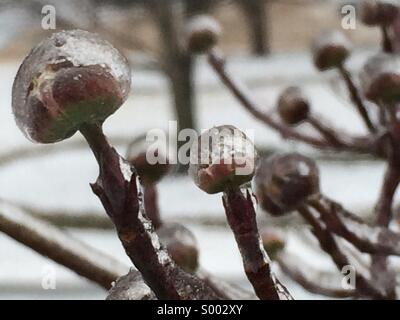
[[312, 280], [242, 220], [331, 135], [365, 237], [384, 215], [58, 246], [365, 287], [356, 98]]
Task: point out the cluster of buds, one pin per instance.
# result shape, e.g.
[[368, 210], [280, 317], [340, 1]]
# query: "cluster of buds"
[[289, 182], [74, 81]]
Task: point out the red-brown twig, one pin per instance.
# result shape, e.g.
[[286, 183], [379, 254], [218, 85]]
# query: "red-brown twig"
[[365, 237], [384, 215], [356, 98], [118, 189], [312, 280], [365, 287], [242, 220], [359, 144], [326, 131], [57, 245]]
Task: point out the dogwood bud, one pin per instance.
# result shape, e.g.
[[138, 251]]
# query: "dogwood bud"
[[222, 158], [70, 79], [284, 182], [151, 170], [330, 50], [202, 34], [181, 244], [380, 78], [293, 106], [378, 12]]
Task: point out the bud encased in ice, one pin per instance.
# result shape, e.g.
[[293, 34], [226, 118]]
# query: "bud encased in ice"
[[330, 50], [181, 245], [222, 158], [293, 106], [284, 182], [380, 78], [70, 79]]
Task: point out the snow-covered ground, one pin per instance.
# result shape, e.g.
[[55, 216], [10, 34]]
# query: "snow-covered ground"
[[61, 180]]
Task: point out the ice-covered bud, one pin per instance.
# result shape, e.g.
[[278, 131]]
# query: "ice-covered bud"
[[151, 166], [293, 106], [284, 182], [181, 245], [203, 33], [69, 79], [222, 158], [330, 50], [378, 12], [380, 78], [273, 241]]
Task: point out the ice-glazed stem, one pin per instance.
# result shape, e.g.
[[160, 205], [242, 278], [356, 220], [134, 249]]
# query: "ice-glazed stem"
[[364, 286], [325, 130], [367, 238], [241, 217], [355, 144], [119, 191], [356, 98], [60, 247], [321, 283]]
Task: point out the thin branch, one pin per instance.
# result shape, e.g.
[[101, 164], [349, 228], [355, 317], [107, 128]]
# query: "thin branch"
[[326, 130], [361, 144], [242, 220], [356, 98], [384, 214], [365, 237], [60, 247], [365, 286], [312, 280]]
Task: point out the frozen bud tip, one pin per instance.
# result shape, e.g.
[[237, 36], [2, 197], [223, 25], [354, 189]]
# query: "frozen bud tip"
[[378, 12], [380, 78], [181, 245], [223, 157], [284, 182], [203, 33], [293, 107], [70, 79], [330, 50]]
